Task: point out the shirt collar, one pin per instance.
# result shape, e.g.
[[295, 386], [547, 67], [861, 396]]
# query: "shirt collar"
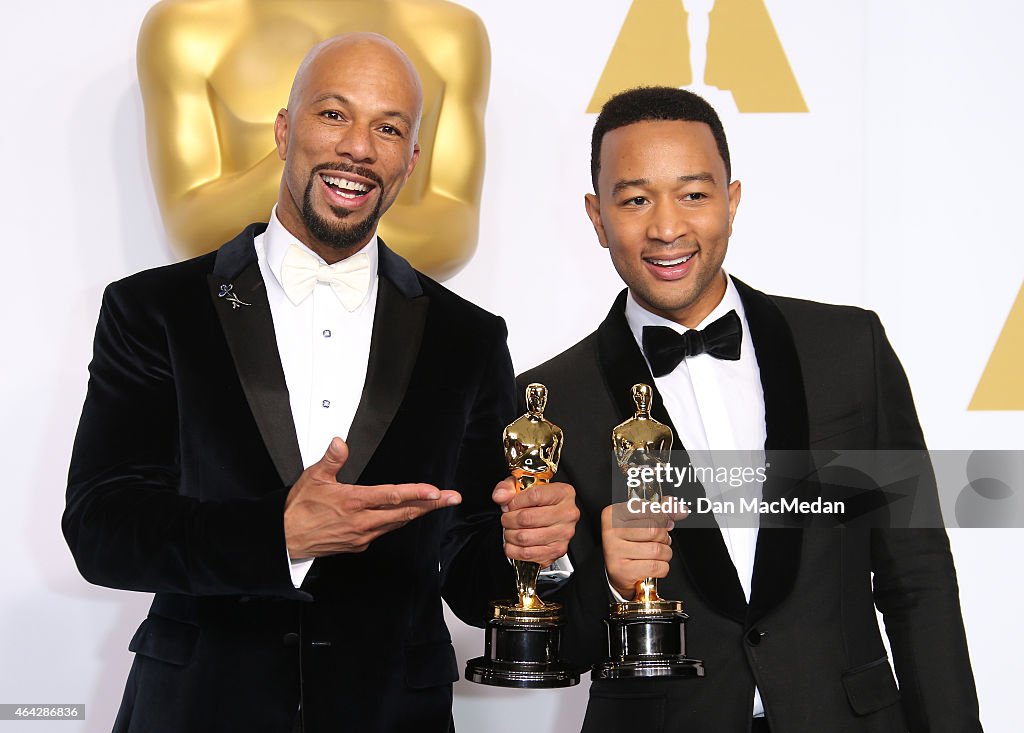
[[637, 316], [277, 240]]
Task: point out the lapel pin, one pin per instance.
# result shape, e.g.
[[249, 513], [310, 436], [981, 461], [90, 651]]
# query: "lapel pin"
[[225, 292]]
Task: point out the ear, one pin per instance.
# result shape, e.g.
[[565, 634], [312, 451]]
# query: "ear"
[[412, 161], [734, 202], [281, 133], [593, 205]]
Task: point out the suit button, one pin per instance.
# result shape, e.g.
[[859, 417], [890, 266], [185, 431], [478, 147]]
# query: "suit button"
[[754, 636], [290, 639]]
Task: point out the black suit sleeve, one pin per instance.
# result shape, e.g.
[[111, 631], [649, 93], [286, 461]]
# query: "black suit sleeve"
[[129, 522], [915, 584], [474, 569]]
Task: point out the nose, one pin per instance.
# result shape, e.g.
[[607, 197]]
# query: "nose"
[[356, 142], [667, 222]]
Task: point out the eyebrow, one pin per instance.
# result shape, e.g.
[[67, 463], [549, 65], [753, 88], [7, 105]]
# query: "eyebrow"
[[690, 178], [330, 95], [342, 100]]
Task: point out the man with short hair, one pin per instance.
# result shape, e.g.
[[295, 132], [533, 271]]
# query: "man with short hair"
[[289, 579], [782, 617]]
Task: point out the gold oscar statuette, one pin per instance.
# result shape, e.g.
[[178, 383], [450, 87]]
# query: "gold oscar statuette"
[[646, 635], [522, 642]]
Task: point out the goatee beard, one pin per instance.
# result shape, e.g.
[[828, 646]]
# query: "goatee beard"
[[336, 234]]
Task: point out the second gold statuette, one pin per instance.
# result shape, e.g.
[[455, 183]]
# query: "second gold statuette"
[[646, 635]]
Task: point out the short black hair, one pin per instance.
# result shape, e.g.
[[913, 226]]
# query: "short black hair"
[[655, 103]]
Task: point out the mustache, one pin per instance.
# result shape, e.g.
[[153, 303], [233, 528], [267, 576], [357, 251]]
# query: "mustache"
[[355, 170]]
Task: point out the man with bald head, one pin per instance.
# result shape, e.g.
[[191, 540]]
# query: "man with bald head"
[[292, 442]]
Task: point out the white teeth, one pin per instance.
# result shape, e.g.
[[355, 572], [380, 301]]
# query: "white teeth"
[[671, 263], [346, 184]]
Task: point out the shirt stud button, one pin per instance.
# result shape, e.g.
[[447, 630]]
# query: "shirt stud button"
[[326, 403], [327, 333]]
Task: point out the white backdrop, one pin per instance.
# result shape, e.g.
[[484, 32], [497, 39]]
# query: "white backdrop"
[[897, 191]]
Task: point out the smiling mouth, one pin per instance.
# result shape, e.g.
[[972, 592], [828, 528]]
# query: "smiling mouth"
[[346, 188], [675, 262]]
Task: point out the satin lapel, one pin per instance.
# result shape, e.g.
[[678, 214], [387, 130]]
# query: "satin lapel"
[[240, 299], [623, 365], [777, 557], [705, 559], [398, 325]]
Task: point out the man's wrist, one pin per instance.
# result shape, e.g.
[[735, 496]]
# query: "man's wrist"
[[618, 596]]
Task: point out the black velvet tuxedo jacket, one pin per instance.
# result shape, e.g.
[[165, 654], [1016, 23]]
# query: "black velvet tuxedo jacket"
[[184, 457], [808, 638]]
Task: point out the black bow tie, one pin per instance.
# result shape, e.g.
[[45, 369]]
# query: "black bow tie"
[[665, 348]]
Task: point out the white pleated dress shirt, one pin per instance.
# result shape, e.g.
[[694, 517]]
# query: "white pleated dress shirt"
[[715, 405], [324, 351]]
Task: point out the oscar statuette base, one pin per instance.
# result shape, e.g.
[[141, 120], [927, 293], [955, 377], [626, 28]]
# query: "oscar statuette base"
[[647, 640], [521, 649]]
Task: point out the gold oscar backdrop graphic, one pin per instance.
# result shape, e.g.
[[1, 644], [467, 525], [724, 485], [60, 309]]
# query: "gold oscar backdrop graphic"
[[706, 45], [213, 75], [1002, 383]]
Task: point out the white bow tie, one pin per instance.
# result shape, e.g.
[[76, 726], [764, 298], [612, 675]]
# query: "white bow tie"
[[349, 278]]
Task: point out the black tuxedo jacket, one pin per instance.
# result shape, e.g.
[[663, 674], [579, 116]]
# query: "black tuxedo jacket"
[[808, 638], [184, 457]]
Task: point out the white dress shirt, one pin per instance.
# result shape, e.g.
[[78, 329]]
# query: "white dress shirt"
[[324, 351], [715, 405]]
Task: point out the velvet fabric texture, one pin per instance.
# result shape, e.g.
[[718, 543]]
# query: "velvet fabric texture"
[[185, 454], [808, 638]]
